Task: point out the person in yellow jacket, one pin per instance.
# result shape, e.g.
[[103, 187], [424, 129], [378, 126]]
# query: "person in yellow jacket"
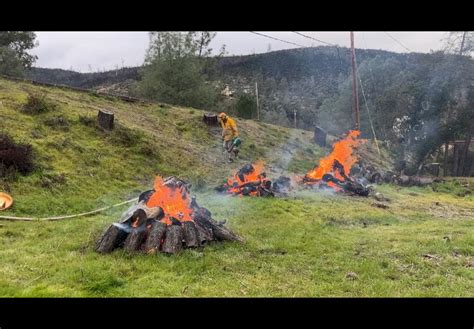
[[229, 133]]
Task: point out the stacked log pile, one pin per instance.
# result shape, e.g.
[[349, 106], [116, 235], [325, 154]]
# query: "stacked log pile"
[[145, 229]]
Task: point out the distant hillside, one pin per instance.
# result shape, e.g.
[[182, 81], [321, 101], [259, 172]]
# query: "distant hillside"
[[148, 139], [311, 84], [291, 64], [83, 80]]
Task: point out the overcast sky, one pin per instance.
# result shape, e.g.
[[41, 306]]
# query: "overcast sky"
[[91, 51]]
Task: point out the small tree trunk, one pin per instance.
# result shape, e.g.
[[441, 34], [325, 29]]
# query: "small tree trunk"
[[106, 119], [455, 160], [445, 162], [173, 240], [463, 170]]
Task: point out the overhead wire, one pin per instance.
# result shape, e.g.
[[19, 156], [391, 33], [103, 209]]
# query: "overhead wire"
[[393, 38], [281, 40], [308, 37]]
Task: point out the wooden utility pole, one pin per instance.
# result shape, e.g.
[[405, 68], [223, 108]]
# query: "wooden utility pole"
[[468, 139], [465, 153], [445, 160], [256, 93], [462, 43], [355, 93]]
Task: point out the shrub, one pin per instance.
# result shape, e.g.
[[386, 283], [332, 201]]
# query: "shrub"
[[60, 123], [14, 156], [87, 120], [245, 106], [37, 104]]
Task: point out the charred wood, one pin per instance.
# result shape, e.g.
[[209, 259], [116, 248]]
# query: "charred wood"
[[218, 231], [112, 238], [204, 235], [135, 239], [222, 233], [190, 235], [173, 240], [157, 232]]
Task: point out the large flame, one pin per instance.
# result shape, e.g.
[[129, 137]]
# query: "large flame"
[[174, 201], [235, 182], [342, 152]]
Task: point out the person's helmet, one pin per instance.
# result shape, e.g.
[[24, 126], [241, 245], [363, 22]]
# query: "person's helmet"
[[222, 115]]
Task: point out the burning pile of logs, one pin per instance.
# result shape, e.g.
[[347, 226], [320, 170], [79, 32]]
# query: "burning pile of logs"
[[345, 184], [251, 180], [331, 170], [164, 220]]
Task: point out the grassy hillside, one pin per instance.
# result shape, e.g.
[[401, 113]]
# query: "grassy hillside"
[[100, 167], [306, 244]]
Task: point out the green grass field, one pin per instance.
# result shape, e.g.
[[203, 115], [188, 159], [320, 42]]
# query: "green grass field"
[[307, 244]]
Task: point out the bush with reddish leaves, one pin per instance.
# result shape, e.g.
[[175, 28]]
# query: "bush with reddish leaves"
[[18, 157]]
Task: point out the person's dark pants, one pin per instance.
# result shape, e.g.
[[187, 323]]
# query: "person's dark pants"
[[230, 149]]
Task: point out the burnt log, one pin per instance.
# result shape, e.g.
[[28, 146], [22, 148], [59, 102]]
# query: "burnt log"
[[173, 240], [282, 185], [264, 192], [219, 232], [106, 119], [204, 235], [112, 238], [135, 239], [190, 234], [356, 188], [223, 233], [389, 177], [423, 181], [199, 211], [376, 178], [347, 185], [403, 180], [145, 196], [157, 232]]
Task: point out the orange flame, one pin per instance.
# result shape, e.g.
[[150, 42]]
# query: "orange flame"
[[174, 202], [342, 152], [234, 183]]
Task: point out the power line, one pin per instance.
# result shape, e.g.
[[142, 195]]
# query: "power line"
[[368, 112], [401, 44], [307, 36], [289, 42]]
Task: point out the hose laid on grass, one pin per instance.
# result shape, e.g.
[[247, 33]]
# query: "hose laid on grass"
[[12, 218]]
